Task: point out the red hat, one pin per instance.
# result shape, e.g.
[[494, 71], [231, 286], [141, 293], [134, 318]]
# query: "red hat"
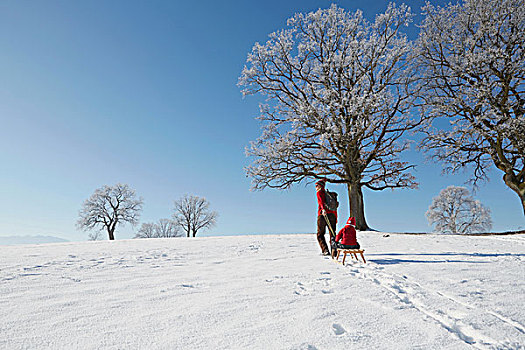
[[351, 221], [321, 182]]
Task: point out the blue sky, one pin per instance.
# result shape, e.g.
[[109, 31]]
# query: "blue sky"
[[144, 93]]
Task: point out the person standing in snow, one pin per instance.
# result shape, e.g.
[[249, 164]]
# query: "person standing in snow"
[[324, 213], [347, 236]]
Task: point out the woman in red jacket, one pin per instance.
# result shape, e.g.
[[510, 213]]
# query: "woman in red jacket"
[[323, 214], [348, 236]]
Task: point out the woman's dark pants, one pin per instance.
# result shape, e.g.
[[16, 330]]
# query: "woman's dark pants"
[[321, 229]]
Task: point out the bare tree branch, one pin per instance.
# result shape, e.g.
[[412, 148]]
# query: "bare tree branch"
[[473, 63]]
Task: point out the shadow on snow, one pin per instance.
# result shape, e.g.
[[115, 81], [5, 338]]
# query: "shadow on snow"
[[392, 261]]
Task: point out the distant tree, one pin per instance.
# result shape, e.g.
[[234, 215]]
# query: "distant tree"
[[95, 236], [339, 94], [455, 211], [473, 68], [164, 228], [192, 214], [108, 207], [147, 230]]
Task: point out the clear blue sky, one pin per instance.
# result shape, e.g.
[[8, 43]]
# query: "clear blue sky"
[[144, 93]]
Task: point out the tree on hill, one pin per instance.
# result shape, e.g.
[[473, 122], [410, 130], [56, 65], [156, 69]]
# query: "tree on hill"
[[95, 236], [339, 93], [455, 211], [192, 214], [146, 230], [108, 207], [473, 67], [164, 228]]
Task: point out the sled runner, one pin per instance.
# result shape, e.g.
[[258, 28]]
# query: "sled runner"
[[352, 252]]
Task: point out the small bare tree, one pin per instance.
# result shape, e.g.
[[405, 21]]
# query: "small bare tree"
[[95, 236], [473, 62], [147, 230], [192, 214], [164, 228], [455, 211], [339, 95], [109, 206]]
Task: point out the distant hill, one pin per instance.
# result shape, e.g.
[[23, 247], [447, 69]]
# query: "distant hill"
[[12, 240]]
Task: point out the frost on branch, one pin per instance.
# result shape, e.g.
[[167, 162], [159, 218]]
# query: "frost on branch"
[[339, 92], [455, 211], [473, 66]]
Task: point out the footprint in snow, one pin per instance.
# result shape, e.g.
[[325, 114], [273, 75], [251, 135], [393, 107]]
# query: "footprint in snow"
[[300, 289], [338, 329], [398, 288]]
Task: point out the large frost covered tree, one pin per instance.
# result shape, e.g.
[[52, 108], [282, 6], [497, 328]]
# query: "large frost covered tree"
[[455, 211], [338, 97], [108, 207], [473, 62]]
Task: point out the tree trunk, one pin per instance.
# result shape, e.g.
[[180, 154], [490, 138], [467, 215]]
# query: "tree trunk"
[[519, 187], [194, 233], [110, 233], [357, 206], [522, 198]]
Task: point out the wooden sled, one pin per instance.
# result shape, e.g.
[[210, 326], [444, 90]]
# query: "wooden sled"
[[352, 252]]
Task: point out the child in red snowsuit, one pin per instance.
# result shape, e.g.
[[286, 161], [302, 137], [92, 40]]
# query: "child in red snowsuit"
[[348, 236]]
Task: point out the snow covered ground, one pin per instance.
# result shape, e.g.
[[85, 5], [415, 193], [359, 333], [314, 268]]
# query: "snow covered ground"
[[265, 292]]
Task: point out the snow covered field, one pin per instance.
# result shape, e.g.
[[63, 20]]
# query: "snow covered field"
[[265, 292]]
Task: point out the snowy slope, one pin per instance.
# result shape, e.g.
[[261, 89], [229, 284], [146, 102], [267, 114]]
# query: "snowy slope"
[[265, 292]]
